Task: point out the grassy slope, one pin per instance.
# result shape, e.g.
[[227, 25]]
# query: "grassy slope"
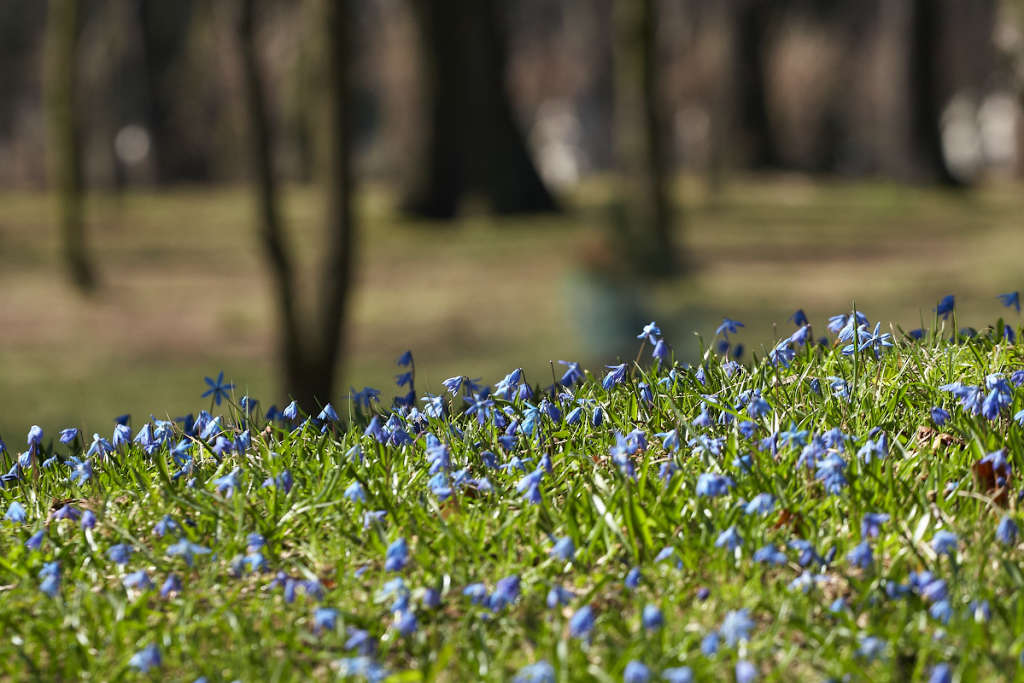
[[186, 293], [228, 627]]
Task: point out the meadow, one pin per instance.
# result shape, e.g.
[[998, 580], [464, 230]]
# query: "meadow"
[[840, 506], [185, 292]]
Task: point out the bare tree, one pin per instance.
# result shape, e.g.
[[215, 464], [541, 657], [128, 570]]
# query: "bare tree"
[[64, 130], [643, 213], [309, 349], [473, 143]]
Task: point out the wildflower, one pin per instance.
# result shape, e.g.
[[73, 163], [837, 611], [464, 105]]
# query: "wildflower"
[[538, 672], [218, 388], [15, 512], [88, 519], [945, 306], [830, 471], [120, 553], [713, 485], [35, 540], [171, 585], [760, 504], [939, 416], [355, 492], [187, 549], [564, 549], [328, 414], [769, 554], [944, 542], [660, 352], [861, 556], [581, 625], [709, 644], [559, 596], [1007, 530], [652, 617], [1011, 299], [728, 327], [137, 581], [397, 555], [617, 374], [68, 435], [506, 591], [636, 672], [679, 674], [100, 446], [730, 538], [148, 657], [871, 522], [633, 578], [66, 512], [227, 484], [745, 672], [573, 374], [651, 332], [476, 592], [941, 673], [736, 626], [325, 619], [453, 384], [871, 647]]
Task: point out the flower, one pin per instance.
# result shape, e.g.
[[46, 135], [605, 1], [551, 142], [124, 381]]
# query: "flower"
[[564, 549], [325, 619], [1007, 530], [218, 388], [941, 673], [397, 555], [187, 549], [736, 627], [652, 617], [581, 624], [651, 332], [713, 485], [617, 374], [745, 672], [730, 538], [871, 523], [945, 306], [16, 512], [145, 659], [939, 416], [1011, 299], [871, 647], [861, 556], [137, 581], [559, 595], [538, 672], [679, 674], [760, 504], [944, 542], [728, 327], [68, 435], [636, 672], [328, 414]]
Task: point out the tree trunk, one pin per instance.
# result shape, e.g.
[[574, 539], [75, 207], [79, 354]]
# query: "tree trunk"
[[641, 140], [924, 94], [473, 143], [340, 238], [64, 141], [308, 353], [754, 19]]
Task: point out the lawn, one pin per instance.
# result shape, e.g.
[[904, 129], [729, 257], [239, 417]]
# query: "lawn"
[[844, 508], [185, 292]]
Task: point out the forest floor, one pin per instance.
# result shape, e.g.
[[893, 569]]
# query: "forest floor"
[[185, 292]]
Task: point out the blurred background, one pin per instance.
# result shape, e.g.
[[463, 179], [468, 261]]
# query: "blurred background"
[[296, 192]]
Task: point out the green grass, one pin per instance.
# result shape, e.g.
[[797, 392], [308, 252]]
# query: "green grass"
[[229, 623]]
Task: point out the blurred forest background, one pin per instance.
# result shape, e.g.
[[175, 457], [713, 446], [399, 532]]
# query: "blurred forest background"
[[297, 192]]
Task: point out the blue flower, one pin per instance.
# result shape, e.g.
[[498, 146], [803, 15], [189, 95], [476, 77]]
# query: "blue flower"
[[945, 306], [559, 595], [187, 549], [328, 414], [709, 644], [218, 388], [120, 553], [88, 519], [325, 619], [679, 674], [227, 484], [652, 617], [16, 512], [100, 446], [636, 672], [355, 492], [137, 581], [871, 523], [581, 625], [405, 360], [871, 647], [397, 555], [145, 659], [651, 332], [861, 556], [713, 485], [1007, 530], [939, 416], [564, 549], [573, 374], [171, 585], [944, 542], [633, 578], [538, 672], [1011, 299], [736, 626], [760, 504], [769, 554], [941, 673], [506, 591], [68, 435], [730, 538], [617, 374], [728, 327], [745, 672], [35, 541]]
